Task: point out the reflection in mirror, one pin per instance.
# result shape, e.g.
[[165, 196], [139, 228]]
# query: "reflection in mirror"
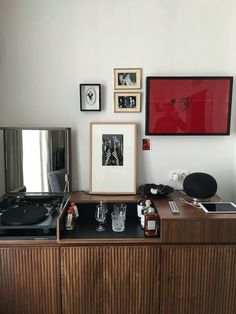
[[34, 160]]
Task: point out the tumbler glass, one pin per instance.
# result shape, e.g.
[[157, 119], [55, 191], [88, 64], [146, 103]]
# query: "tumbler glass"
[[118, 221]]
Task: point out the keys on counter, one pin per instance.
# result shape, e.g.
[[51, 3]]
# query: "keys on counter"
[[173, 207]]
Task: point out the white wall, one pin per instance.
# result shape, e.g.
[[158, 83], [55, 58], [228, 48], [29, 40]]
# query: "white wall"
[[48, 47]]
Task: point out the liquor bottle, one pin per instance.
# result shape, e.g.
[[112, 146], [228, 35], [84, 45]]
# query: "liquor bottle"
[[150, 220], [76, 211], [70, 219], [140, 207], [143, 212]]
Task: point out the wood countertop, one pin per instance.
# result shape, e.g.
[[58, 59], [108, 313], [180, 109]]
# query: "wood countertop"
[[191, 225], [186, 211]]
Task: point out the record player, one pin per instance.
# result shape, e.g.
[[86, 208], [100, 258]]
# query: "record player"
[[31, 215]]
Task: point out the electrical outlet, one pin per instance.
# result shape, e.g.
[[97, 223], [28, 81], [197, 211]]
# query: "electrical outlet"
[[178, 174]]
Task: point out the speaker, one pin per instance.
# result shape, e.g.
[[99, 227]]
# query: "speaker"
[[200, 186]]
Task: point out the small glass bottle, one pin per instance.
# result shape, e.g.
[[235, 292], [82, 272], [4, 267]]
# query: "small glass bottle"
[[70, 219], [150, 220], [76, 211], [143, 212], [140, 207]]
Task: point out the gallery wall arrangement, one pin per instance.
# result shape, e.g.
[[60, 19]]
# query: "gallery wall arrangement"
[[175, 105]]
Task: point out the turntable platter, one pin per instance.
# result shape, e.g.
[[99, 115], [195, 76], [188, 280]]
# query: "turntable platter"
[[25, 215]]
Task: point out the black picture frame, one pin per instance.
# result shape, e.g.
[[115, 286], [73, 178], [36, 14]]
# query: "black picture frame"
[[90, 97], [188, 105]]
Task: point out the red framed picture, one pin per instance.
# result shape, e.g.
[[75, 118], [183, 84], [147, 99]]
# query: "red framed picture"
[[196, 105]]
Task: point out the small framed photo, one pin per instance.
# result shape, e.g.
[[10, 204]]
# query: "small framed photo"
[[113, 154], [127, 78], [127, 102], [90, 97]]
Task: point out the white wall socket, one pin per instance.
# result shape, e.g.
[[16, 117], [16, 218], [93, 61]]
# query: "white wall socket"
[[178, 174]]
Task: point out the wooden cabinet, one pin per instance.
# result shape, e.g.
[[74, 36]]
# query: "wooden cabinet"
[[29, 280], [190, 269], [110, 279], [198, 231], [198, 279]]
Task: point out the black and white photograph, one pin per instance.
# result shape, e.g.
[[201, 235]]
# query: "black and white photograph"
[[127, 78], [113, 156], [90, 97], [112, 149], [127, 102]]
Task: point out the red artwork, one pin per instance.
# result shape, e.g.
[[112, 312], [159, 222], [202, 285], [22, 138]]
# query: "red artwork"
[[146, 144], [188, 105]]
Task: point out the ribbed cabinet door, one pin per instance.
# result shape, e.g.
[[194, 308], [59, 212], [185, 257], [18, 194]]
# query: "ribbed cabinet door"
[[198, 280], [105, 280], [29, 281]]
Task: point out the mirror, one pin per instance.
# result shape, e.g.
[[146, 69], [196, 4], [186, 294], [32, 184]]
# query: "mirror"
[[34, 160]]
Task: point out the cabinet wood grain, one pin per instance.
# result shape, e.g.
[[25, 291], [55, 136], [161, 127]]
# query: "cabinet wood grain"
[[106, 280], [198, 231], [29, 281], [198, 279]]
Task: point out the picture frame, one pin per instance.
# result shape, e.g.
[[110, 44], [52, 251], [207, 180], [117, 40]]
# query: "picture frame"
[[188, 105], [90, 97], [127, 101], [113, 154], [127, 78]]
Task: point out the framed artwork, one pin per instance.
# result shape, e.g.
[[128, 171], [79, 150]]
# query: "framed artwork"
[[90, 97], [199, 105], [127, 78], [113, 153], [127, 101]]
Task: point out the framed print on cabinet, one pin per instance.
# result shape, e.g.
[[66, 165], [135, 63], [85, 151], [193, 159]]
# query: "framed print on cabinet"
[[127, 101], [127, 78], [198, 105], [90, 97], [113, 150]]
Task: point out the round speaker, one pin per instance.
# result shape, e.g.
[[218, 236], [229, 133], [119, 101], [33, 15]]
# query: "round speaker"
[[200, 186]]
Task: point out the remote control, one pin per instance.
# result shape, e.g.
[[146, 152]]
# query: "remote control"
[[173, 207]]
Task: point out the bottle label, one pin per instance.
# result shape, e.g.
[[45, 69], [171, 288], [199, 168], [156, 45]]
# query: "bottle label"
[[69, 221], [69, 218], [142, 221], [76, 211], [151, 225], [139, 210]]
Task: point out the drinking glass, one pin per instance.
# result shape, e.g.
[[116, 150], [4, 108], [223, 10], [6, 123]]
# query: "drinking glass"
[[104, 205], [118, 222], [100, 216], [120, 209], [118, 217]]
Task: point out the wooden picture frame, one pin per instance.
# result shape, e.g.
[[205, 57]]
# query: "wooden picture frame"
[[90, 97], [127, 101], [127, 78], [113, 153], [195, 105]]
